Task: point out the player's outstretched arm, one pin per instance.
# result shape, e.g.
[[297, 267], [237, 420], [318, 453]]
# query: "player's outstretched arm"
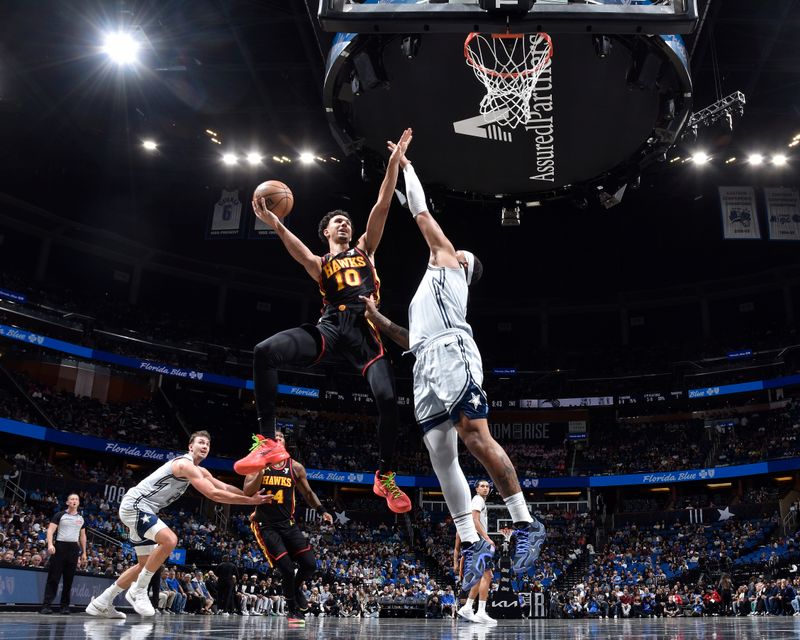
[[308, 493], [377, 217], [195, 476], [443, 254], [311, 262], [252, 481], [388, 328]]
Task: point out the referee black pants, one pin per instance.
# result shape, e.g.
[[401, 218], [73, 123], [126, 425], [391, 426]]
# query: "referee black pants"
[[63, 562]]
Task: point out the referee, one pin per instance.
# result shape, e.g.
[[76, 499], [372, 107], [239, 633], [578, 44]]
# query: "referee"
[[66, 552]]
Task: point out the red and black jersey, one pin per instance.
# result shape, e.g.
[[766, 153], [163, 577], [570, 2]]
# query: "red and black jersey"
[[280, 480], [345, 276]]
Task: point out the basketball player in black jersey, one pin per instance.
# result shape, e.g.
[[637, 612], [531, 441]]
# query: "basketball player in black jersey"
[[346, 272], [280, 539]]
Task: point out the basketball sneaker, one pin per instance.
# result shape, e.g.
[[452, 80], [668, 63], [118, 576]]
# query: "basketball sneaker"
[[385, 486], [467, 613], [96, 608], [296, 619], [476, 558], [140, 601], [528, 545], [263, 452], [484, 618]]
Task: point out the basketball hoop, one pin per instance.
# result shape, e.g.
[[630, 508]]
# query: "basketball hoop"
[[509, 65], [507, 533]]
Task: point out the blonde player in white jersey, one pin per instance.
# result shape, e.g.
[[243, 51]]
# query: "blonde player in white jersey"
[[448, 398], [151, 538]]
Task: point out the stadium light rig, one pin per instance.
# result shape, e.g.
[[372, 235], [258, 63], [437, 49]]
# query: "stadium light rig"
[[721, 110], [149, 145], [229, 159]]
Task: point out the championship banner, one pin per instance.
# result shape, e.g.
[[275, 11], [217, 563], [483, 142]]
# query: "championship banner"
[[739, 213], [783, 213], [226, 221]]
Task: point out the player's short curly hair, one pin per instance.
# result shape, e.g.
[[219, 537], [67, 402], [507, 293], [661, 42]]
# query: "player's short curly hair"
[[323, 224]]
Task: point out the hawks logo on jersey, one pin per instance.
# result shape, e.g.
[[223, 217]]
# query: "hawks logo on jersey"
[[280, 481], [347, 275]]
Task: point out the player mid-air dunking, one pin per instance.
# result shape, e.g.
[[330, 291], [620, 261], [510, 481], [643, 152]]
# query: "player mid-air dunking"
[[276, 532], [448, 398], [344, 274]]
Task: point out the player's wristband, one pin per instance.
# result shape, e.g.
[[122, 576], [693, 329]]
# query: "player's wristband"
[[414, 191], [321, 510]]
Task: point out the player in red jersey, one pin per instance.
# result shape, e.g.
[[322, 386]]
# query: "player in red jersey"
[[344, 274]]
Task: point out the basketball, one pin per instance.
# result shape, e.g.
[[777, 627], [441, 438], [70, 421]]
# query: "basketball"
[[278, 196]]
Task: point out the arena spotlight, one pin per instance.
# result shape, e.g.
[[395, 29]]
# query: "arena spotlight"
[[229, 158], [755, 159], [700, 158], [121, 47], [779, 160], [306, 157], [254, 158], [149, 145]]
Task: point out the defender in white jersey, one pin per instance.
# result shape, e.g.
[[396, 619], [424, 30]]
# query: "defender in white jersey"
[[152, 539], [449, 400], [479, 591]]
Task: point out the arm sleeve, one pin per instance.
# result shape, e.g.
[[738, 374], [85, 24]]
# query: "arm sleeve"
[[414, 191]]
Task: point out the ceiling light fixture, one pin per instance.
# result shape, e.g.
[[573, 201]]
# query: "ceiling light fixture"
[[121, 47]]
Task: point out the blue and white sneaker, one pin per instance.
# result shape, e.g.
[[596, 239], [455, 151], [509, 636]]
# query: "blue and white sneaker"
[[528, 545], [476, 558]]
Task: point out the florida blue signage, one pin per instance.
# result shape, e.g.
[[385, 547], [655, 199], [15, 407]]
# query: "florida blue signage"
[[13, 296], [149, 366], [38, 432]]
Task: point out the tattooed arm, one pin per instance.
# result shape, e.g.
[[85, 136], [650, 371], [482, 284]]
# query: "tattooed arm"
[[388, 328]]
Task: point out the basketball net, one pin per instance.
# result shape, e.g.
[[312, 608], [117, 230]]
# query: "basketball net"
[[509, 66], [507, 533]]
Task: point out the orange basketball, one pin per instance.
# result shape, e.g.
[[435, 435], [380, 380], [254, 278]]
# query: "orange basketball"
[[278, 196]]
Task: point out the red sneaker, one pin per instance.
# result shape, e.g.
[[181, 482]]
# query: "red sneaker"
[[263, 452], [385, 487]]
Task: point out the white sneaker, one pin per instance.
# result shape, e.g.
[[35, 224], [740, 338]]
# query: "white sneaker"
[[467, 613], [140, 602], [225, 614], [94, 608], [483, 618], [245, 612]]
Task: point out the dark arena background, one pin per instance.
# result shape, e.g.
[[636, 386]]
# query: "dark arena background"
[[639, 229]]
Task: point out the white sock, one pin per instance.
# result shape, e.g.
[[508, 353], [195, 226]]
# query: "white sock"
[[469, 604], [143, 581], [442, 445], [481, 606], [517, 508], [107, 597]]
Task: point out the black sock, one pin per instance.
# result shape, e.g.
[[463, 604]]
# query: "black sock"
[[266, 427], [521, 525]]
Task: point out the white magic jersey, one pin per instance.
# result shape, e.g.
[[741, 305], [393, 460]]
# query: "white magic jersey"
[[158, 490], [440, 304], [479, 504]]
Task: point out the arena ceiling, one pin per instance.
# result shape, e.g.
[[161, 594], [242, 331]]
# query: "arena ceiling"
[[251, 71]]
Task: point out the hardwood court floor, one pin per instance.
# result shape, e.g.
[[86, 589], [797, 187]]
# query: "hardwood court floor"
[[31, 626]]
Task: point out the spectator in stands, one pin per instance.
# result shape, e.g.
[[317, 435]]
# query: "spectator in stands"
[[174, 585]]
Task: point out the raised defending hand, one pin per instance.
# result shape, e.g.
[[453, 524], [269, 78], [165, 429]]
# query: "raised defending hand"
[[398, 150], [261, 498], [327, 517], [265, 215]]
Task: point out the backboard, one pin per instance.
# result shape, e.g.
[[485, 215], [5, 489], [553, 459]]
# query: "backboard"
[[551, 16]]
